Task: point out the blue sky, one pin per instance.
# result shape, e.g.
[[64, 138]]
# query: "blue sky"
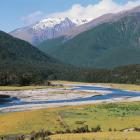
[[13, 13]]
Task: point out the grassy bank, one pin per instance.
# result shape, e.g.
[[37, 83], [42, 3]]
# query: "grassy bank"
[[124, 86], [15, 88], [18, 88], [109, 116], [116, 86]]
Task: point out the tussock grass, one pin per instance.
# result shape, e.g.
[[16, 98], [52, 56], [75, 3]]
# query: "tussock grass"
[[98, 136]]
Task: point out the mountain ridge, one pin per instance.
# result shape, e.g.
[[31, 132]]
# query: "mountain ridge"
[[50, 28], [110, 17], [104, 43]]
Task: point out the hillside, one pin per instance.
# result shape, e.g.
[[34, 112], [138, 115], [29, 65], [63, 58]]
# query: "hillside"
[[16, 50], [21, 63], [105, 46]]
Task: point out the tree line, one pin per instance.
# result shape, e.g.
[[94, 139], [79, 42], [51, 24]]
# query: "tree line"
[[24, 75]]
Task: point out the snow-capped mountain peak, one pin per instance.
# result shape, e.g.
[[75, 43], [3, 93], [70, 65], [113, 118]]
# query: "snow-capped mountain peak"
[[48, 22], [51, 22]]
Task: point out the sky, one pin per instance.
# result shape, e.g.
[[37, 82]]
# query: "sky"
[[18, 13]]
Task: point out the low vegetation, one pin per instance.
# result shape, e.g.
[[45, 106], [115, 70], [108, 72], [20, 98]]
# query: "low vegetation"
[[85, 134]]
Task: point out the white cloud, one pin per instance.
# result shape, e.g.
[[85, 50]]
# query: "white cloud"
[[95, 10], [91, 11], [33, 17]]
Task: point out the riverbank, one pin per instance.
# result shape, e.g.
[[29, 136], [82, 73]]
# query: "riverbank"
[[47, 98]]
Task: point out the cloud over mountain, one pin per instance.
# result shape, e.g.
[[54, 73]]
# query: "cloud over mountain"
[[93, 11]]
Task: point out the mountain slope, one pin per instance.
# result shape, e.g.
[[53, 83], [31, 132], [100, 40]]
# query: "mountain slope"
[[50, 45], [107, 45]]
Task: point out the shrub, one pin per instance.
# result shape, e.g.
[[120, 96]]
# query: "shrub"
[[96, 129]]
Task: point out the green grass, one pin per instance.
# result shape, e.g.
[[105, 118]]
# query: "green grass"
[[115, 116]]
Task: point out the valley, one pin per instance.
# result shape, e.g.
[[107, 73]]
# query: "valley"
[[70, 71]]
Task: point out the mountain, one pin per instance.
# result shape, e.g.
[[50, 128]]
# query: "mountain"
[[51, 28], [48, 28], [107, 45]]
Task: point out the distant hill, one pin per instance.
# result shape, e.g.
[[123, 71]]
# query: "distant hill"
[[108, 45], [16, 50]]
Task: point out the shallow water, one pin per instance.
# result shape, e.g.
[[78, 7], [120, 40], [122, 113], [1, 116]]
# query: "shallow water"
[[112, 94]]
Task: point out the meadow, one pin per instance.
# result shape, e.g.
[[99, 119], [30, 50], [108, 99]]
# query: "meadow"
[[110, 117]]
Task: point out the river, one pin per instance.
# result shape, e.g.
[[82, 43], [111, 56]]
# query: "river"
[[112, 93]]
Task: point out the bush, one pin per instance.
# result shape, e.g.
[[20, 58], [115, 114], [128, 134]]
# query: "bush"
[[96, 129]]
